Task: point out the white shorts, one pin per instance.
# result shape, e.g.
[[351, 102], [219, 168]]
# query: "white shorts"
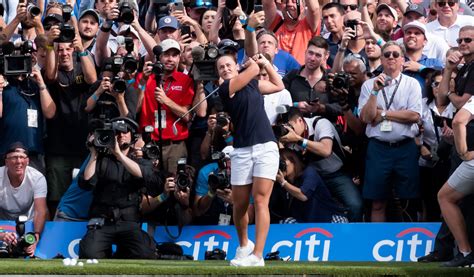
[[260, 160], [462, 179]]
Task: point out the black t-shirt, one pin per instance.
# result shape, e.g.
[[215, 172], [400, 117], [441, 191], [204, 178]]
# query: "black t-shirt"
[[67, 130], [464, 81], [247, 114]]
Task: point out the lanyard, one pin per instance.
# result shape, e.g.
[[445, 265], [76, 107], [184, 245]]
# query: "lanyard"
[[168, 87], [388, 104]]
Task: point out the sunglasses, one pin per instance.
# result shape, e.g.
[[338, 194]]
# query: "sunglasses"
[[435, 84], [442, 4], [394, 54], [352, 7], [466, 40]]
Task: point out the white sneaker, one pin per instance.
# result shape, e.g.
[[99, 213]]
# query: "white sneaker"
[[243, 252], [250, 260]]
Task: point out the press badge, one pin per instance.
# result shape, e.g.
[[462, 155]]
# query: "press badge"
[[163, 119], [386, 126], [224, 219], [32, 118]]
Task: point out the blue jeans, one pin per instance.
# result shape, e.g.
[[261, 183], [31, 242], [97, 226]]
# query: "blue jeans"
[[345, 191]]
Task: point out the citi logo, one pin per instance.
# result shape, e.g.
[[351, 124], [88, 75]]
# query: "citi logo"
[[407, 240], [216, 239], [316, 247]]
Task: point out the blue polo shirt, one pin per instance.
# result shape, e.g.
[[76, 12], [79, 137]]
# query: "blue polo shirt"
[[14, 122], [283, 61], [427, 62]]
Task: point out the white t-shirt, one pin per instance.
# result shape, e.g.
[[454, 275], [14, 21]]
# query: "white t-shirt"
[[19, 201], [451, 33], [469, 106], [272, 101]]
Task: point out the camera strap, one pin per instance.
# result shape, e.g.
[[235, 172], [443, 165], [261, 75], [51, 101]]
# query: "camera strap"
[[388, 104], [434, 125]]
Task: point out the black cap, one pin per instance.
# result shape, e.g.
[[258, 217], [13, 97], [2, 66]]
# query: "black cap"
[[17, 147], [56, 18], [415, 8], [226, 45]]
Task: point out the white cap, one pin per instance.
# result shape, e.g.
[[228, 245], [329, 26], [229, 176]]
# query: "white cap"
[[168, 44], [415, 24], [385, 6]]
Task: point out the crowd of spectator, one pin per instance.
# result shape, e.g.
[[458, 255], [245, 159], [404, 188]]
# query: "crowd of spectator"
[[364, 122]]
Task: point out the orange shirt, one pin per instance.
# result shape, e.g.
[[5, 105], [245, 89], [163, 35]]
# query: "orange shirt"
[[294, 41]]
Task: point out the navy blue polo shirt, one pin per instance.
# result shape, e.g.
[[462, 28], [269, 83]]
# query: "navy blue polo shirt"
[[246, 109], [14, 122]]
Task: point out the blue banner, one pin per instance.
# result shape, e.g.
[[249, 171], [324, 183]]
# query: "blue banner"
[[296, 242]]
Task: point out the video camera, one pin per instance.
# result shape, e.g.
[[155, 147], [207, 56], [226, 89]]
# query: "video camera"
[[182, 177], [68, 33], [17, 60], [24, 241], [104, 138], [220, 179], [204, 62], [151, 151]]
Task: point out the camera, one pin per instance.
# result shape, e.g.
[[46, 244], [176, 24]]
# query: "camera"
[[129, 62], [151, 151], [279, 130], [104, 138], [282, 165], [115, 66], [68, 33], [222, 119], [15, 61], [33, 10], [204, 62], [182, 177], [125, 13], [352, 23], [24, 241], [221, 178], [341, 80]]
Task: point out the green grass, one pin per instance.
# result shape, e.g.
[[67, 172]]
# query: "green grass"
[[147, 267]]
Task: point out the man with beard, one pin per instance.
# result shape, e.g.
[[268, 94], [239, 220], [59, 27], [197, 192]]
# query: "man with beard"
[[174, 95], [297, 25], [386, 21], [414, 40], [373, 51], [449, 22], [69, 72], [307, 85], [88, 26]]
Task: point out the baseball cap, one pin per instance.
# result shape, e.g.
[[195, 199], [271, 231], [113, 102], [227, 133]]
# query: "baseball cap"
[[168, 44], [90, 12], [168, 22], [392, 11], [52, 17], [415, 24], [17, 147], [415, 8]]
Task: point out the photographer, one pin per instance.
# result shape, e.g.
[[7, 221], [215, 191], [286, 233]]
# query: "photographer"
[[24, 104], [117, 181], [213, 200], [113, 96], [320, 144], [311, 200], [23, 190], [69, 72], [173, 95], [30, 24]]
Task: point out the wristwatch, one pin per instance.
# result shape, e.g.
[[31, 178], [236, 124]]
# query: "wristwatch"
[[384, 115]]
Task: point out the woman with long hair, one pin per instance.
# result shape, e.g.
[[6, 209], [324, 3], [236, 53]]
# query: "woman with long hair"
[[255, 158]]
